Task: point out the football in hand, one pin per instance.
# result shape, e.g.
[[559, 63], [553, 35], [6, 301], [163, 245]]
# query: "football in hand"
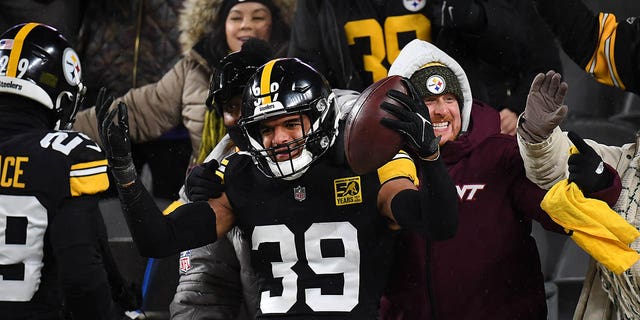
[[368, 143]]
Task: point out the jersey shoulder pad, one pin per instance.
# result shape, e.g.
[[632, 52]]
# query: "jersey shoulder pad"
[[86, 149], [401, 165], [234, 161], [86, 161]]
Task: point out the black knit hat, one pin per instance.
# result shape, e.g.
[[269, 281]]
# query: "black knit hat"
[[228, 4], [235, 70], [434, 79]]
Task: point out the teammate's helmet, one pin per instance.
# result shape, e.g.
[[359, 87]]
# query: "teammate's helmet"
[[284, 87], [235, 70], [37, 62]]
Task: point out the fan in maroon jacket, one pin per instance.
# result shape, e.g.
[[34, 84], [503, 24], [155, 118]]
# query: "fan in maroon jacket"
[[491, 268]]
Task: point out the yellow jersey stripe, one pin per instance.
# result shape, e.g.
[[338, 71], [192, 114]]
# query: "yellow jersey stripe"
[[91, 164], [400, 166], [221, 168], [265, 82], [602, 64], [172, 206], [16, 51], [90, 184]]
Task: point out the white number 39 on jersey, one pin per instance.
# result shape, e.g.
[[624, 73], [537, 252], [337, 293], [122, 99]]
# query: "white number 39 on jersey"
[[349, 266]]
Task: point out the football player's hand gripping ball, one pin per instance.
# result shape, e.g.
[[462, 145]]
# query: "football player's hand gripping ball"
[[586, 168], [115, 138], [414, 122], [203, 183]]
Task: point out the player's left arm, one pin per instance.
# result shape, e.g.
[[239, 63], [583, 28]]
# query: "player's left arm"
[[189, 226], [434, 207], [431, 209]]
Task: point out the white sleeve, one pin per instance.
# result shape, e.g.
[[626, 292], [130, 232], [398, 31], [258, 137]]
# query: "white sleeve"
[[546, 162]]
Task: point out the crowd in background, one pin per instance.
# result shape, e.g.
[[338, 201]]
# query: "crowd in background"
[[161, 58]]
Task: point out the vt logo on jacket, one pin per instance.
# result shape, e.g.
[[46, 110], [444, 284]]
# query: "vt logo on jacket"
[[468, 191]]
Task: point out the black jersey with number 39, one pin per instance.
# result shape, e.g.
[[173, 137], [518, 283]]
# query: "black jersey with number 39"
[[38, 171], [320, 247]]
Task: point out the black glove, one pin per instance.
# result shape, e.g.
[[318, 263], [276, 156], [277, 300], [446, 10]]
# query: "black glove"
[[115, 138], [414, 122], [203, 183], [586, 168]]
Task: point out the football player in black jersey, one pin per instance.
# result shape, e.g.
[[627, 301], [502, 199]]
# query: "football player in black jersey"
[[54, 257], [502, 44], [320, 233]]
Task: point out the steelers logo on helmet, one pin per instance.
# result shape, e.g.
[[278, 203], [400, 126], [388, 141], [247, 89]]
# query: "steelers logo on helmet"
[[321, 105], [34, 58], [71, 67], [436, 84]]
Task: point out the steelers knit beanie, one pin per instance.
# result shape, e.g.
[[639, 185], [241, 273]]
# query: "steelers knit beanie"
[[434, 79]]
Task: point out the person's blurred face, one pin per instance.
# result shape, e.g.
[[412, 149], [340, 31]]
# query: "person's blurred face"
[[445, 116], [277, 133], [247, 20], [231, 111]]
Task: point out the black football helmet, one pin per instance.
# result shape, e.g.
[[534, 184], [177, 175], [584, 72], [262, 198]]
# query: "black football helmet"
[[234, 71], [37, 62], [284, 87]]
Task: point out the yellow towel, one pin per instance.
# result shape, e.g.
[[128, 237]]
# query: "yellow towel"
[[597, 229]]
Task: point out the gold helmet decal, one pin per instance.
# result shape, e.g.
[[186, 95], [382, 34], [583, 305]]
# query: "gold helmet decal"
[[38, 63], [15, 63], [267, 94]]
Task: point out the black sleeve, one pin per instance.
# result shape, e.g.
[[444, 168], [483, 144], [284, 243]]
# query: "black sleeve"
[[189, 226], [318, 38], [305, 42], [584, 34], [437, 201], [538, 52], [76, 234], [627, 53], [574, 25], [522, 50]]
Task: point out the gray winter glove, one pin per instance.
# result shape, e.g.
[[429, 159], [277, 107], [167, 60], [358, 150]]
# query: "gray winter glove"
[[544, 110]]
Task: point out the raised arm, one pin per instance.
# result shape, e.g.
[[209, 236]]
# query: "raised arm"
[[433, 209], [156, 235], [543, 146], [601, 44]]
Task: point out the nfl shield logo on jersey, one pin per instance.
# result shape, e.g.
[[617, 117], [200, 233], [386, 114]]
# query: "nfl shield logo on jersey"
[[185, 261], [299, 193]]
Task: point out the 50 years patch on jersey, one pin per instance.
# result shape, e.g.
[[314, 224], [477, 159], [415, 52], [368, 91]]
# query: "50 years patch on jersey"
[[348, 191]]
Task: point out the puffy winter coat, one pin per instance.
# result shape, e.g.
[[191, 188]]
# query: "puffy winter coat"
[[179, 96]]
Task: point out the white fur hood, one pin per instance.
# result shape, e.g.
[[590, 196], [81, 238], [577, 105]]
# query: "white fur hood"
[[418, 53], [197, 17]]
